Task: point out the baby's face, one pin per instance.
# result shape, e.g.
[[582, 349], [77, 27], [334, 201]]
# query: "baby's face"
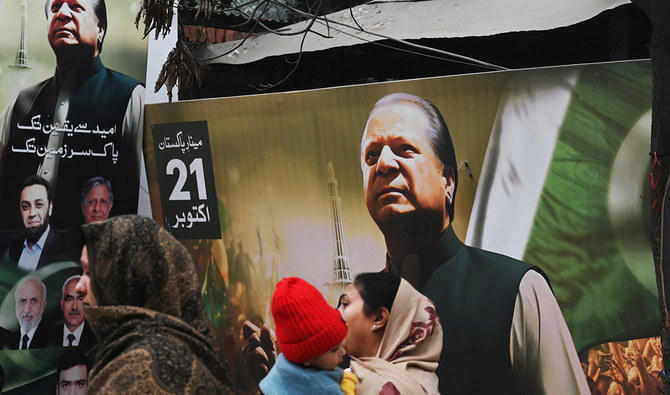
[[329, 360]]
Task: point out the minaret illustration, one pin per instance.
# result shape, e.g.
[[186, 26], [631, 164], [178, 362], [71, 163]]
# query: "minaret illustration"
[[22, 52], [341, 271]]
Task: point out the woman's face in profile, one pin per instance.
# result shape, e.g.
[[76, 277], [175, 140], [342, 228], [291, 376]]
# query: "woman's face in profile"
[[84, 283], [360, 336]]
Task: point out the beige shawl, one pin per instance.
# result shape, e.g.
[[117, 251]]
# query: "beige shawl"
[[409, 351]]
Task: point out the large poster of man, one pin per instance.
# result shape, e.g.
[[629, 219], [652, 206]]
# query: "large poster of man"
[[536, 152], [71, 124], [84, 119]]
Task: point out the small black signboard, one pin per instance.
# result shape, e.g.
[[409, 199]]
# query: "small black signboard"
[[186, 180]]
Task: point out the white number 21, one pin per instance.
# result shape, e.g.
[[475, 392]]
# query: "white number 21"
[[196, 167]]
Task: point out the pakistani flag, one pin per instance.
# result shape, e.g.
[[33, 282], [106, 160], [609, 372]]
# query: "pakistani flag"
[[564, 187]]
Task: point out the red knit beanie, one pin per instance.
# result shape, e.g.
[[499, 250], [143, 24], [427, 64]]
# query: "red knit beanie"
[[306, 325]]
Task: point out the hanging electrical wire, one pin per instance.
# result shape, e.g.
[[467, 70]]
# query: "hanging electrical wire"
[[183, 69]]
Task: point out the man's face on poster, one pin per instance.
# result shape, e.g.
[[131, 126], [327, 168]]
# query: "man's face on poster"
[[72, 306], [73, 381], [30, 304], [35, 208], [73, 23], [97, 204], [401, 172]]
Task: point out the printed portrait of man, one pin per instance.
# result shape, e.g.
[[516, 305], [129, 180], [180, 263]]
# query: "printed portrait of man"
[[72, 373], [74, 331], [31, 300], [84, 121], [38, 245], [410, 179], [97, 199]]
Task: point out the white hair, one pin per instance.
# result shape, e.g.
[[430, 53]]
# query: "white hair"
[[72, 278], [38, 317], [44, 287]]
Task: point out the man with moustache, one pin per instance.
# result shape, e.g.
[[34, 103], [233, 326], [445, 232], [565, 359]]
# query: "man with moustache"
[[83, 122], [97, 199], [74, 331], [40, 245], [31, 300]]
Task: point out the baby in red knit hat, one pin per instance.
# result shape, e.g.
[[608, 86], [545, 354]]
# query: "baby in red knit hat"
[[309, 335]]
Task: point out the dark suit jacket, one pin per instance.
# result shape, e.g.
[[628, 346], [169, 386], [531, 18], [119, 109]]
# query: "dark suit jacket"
[[87, 341], [58, 247], [41, 339], [4, 334]]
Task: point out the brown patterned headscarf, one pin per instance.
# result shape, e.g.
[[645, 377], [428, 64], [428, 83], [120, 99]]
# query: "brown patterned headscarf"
[[150, 317], [409, 351]]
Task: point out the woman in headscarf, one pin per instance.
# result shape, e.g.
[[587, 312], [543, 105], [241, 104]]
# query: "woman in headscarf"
[[144, 306], [394, 338]]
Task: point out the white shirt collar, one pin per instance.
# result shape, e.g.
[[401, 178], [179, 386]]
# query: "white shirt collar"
[[31, 335], [77, 334]]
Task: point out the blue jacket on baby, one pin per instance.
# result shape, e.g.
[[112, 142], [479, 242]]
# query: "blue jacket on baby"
[[289, 378]]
